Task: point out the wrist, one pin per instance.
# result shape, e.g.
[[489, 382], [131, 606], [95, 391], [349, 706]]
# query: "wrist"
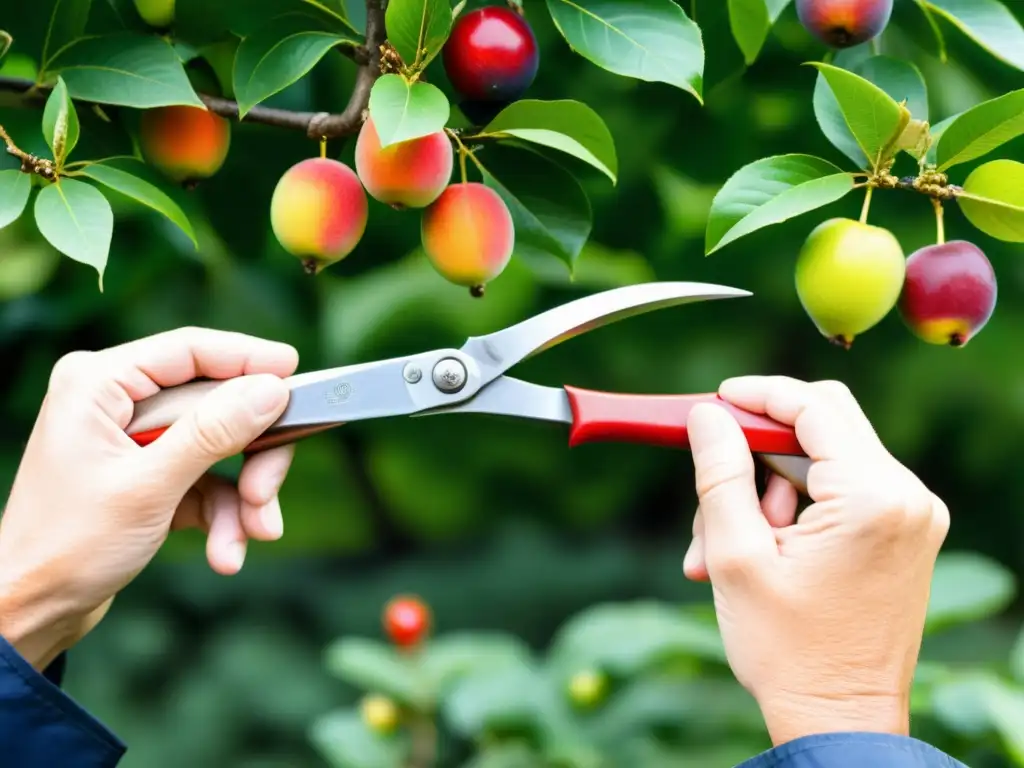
[[791, 717], [38, 624]]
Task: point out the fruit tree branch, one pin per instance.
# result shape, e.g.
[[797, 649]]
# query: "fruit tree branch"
[[316, 125]]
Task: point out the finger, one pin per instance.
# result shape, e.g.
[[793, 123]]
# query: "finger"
[[736, 535], [226, 541], [823, 429], [192, 509], [694, 566], [779, 502], [258, 485], [222, 425], [144, 366]]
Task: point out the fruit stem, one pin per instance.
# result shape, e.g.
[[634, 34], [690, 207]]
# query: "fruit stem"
[[323, 146], [462, 154], [867, 204], [940, 221]]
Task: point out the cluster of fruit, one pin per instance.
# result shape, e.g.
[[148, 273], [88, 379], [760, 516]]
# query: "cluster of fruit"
[[319, 209], [850, 275]]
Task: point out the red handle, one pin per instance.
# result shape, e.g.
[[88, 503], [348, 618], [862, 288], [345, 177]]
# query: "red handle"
[[661, 420]]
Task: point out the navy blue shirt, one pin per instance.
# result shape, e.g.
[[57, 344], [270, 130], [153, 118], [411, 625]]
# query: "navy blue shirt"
[[41, 726]]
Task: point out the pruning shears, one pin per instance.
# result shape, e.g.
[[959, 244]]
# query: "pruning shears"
[[472, 380]]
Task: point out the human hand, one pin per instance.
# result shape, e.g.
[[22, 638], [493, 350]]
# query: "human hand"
[[89, 508], [822, 618]]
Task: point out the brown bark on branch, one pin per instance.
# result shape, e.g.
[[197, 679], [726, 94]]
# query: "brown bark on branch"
[[316, 125]]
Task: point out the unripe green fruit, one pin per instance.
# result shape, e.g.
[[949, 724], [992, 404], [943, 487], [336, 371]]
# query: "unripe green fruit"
[[156, 13], [379, 713], [588, 688], [849, 276]]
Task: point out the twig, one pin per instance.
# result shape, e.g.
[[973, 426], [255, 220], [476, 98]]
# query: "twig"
[[29, 162], [316, 125]]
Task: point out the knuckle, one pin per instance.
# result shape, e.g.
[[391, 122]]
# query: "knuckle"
[[71, 369], [212, 437], [718, 475], [833, 388], [733, 563]]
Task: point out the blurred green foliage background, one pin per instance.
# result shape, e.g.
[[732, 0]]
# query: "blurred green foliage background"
[[497, 524]]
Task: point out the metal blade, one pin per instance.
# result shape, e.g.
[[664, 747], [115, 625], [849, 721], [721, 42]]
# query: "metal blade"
[[514, 397], [497, 352]]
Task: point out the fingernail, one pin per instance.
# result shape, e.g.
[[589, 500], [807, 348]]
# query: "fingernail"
[[272, 519], [234, 554], [265, 394]]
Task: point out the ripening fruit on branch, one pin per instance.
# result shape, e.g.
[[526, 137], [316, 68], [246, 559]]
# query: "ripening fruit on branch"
[[187, 144], [844, 23], [410, 174], [491, 55], [588, 688], [156, 13], [468, 235], [949, 294], [407, 621], [849, 276], [379, 713], [319, 212]]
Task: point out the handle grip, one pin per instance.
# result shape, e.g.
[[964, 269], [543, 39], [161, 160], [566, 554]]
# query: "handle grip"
[[661, 420]]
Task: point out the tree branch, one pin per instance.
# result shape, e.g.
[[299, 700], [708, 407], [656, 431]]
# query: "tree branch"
[[316, 125]]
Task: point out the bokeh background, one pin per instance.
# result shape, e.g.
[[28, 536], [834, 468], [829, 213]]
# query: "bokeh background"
[[497, 524]]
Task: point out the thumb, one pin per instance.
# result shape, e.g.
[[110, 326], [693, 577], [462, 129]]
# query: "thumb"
[[737, 537], [220, 426]]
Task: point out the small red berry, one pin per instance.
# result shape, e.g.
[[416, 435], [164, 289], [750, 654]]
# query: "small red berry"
[[407, 621], [491, 55]]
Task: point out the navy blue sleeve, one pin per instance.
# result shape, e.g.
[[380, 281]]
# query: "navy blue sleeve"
[[853, 750], [40, 724]]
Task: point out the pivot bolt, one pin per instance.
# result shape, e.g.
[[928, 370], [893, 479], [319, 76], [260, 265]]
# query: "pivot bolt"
[[412, 373], [449, 375]]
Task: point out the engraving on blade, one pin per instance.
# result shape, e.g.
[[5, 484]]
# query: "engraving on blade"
[[351, 393], [497, 352], [514, 397]]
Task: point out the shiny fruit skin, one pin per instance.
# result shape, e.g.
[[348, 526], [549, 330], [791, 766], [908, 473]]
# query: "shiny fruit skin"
[[491, 55], [949, 294], [185, 143], [844, 23], [158, 14], [319, 212], [849, 276], [587, 689], [379, 713], [410, 174], [407, 621], [468, 234]]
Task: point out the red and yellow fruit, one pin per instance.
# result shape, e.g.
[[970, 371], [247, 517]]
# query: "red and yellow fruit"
[[156, 13], [844, 23], [491, 55], [379, 713], [407, 621], [949, 294], [185, 143], [410, 174], [319, 212], [468, 235]]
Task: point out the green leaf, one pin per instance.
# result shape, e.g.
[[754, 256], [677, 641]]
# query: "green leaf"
[[508, 697], [402, 111], [966, 587], [278, 55], [67, 22], [874, 118], [377, 668], [15, 188], [989, 23], [993, 200], [141, 191], [125, 69], [980, 130], [418, 29], [627, 638], [650, 40], [550, 211], [452, 657], [771, 191], [566, 125], [898, 78], [345, 742], [750, 25], [76, 219], [60, 123]]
